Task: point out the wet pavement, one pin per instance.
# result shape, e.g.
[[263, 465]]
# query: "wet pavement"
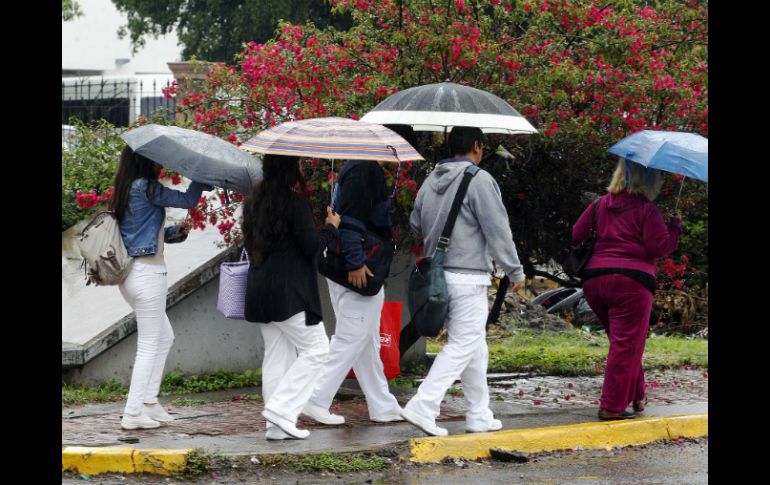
[[664, 463], [231, 423]]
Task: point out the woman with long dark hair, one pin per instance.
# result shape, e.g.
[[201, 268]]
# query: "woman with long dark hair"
[[139, 203], [282, 290], [619, 279]]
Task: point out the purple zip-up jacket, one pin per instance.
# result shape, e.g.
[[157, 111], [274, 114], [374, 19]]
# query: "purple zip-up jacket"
[[630, 231]]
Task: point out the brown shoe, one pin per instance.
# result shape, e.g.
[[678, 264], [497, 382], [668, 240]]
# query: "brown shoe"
[[607, 415], [639, 405]]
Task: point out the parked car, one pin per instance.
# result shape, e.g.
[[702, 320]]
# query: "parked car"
[[564, 300]]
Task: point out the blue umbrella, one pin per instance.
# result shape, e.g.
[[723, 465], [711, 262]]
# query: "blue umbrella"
[[673, 151]]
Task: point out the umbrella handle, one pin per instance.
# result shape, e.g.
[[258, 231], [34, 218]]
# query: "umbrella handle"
[[398, 169], [679, 195]]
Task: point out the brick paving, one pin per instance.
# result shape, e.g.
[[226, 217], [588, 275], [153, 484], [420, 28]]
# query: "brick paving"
[[230, 417], [673, 386]]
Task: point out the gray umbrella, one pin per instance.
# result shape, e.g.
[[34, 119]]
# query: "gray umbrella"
[[439, 106], [198, 156]]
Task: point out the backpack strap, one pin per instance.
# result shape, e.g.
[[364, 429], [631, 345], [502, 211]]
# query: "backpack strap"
[[443, 241]]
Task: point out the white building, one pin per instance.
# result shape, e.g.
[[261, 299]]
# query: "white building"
[[90, 45], [101, 78]]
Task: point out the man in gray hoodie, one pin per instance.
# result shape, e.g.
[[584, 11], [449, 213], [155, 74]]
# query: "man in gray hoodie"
[[481, 233]]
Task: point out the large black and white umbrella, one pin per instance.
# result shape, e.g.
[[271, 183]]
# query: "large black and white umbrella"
[[440, 106]]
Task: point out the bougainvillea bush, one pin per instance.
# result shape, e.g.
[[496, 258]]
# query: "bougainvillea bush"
[[88, 170], [584, 72]]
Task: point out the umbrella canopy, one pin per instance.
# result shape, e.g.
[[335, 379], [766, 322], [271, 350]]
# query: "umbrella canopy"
[[439, 106], [333, 138], [198, 156], [673, 151]]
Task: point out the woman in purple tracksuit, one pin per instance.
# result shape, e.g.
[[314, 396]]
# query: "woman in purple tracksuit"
[[619, 279]]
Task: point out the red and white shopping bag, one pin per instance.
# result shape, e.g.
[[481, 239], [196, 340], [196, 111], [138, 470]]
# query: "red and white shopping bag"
[[390, 331]]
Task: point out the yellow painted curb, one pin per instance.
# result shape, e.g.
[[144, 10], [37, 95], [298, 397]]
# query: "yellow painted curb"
[[82, 459], [585, 435]]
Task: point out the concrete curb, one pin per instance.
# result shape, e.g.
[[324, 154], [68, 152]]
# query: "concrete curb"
[[94, 460], [586, 435]]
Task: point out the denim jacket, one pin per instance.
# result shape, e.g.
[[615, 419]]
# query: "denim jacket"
[[144, 216]]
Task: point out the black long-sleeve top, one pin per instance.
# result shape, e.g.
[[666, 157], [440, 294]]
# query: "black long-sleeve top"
[[286, 282]]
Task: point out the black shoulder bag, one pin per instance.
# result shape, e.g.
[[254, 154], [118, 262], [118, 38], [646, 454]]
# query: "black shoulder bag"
[[579, 254]]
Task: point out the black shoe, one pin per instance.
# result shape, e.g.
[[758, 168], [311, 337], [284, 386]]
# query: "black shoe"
[[606, 415]]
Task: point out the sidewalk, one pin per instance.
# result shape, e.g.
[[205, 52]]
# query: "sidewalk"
[[233, 425]]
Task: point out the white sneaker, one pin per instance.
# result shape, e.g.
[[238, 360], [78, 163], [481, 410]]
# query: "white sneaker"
[[138, 422], [275, 433], [322, 415], [286, 426], [156, 412], [491, 425], [425, 424], [390, 417]]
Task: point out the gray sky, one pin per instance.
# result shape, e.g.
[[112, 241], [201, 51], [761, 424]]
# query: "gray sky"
[[91, 42]]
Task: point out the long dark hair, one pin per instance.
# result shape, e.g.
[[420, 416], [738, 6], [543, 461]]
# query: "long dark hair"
[[266, 211], [132, 166]]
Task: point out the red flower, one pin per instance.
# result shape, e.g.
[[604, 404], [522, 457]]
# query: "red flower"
[[521, 392], [538, 402], [570, 385], [553, 129]]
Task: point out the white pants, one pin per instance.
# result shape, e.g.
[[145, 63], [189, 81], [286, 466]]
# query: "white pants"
[[356, 343], [464, 356], [145, 290], [288, 378]]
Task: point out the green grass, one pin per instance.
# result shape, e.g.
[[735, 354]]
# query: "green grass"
[[200, 461], [185, 402], [174, 383], [107, 392], [333, 462], [403, 382], [579, 353]]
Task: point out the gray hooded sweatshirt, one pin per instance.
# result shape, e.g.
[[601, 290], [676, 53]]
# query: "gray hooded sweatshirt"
[[481, 232]]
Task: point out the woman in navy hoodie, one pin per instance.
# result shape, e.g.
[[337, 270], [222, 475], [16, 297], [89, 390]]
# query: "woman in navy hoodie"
[[619, 279]]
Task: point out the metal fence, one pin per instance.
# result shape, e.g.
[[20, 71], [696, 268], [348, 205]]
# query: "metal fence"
[[120, 102]]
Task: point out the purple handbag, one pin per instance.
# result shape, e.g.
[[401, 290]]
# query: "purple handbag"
[[231, 301]]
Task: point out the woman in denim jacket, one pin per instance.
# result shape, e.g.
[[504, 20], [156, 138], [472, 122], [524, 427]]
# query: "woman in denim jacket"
[[139, 203]]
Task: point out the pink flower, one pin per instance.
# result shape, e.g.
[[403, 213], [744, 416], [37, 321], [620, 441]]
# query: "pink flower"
[[521, 392], [538, 402], [570, 385]]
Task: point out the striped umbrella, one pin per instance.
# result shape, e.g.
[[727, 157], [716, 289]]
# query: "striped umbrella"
[[333, 138]]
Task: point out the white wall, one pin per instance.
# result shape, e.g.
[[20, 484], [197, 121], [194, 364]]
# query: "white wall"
[[90, 42]]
